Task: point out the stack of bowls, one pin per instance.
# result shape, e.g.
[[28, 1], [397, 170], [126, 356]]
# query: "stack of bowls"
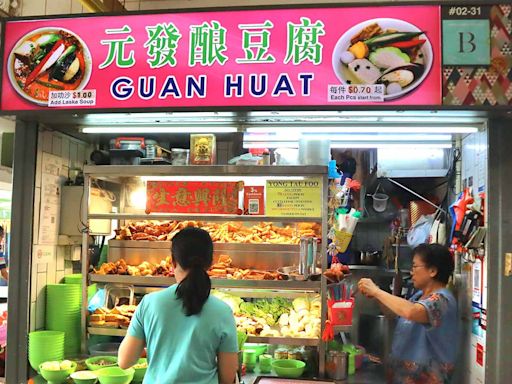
[[76, 278], [63, 306], [45, 346]]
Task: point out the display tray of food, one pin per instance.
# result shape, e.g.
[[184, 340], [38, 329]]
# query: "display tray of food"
[[277, 317], [229, 232], [117, 317], [223, 268], [263, 320]]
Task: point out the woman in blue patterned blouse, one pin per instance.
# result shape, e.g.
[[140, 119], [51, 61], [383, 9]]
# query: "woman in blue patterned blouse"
[[425, 342]]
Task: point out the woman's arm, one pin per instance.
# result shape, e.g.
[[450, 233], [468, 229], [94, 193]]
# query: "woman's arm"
[[401, 307], [227, 365], [130, 351]]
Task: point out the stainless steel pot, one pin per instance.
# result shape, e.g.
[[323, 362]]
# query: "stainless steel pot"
[[376, 334]]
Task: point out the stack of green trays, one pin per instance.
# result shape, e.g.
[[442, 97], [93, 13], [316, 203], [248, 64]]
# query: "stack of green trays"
[[45, 346], [63, 309]]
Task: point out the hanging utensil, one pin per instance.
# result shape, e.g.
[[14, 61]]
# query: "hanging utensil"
[[398, 278]]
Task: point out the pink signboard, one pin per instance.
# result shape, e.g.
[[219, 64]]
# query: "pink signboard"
[[248, 58]]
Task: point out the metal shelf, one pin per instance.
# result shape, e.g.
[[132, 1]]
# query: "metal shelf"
[[203, 217], [107, 331], [160, 281], [373, 269], [283, 341], [251, 339], [122, 171]]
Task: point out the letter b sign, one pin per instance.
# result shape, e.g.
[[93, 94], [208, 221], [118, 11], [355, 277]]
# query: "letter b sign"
[[466, 42]]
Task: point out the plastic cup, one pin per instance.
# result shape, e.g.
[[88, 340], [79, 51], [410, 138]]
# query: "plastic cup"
[[249, 359]]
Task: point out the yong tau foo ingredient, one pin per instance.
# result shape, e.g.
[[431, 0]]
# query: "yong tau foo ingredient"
[[223, 269], [118, 317], [389, 57], [359, 50], [165, 268], [230, 232], [299, 318], [57, 366], [140, 366]]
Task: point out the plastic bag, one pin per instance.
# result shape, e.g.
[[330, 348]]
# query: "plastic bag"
[[438, 230], [97, 301], [420, 231]]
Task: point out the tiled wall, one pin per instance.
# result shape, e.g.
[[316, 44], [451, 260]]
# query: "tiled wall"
[[72, 154]]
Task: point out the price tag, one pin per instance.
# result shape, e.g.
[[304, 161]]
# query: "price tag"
[[83, 98], [361, 93]]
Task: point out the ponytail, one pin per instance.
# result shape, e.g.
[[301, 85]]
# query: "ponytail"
[[192, 249], [194, 290]]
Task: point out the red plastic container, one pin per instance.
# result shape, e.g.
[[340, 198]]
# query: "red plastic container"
[[340, 312]]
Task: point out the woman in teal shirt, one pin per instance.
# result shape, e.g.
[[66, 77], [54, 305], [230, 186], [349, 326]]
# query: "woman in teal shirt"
[[190, 336]]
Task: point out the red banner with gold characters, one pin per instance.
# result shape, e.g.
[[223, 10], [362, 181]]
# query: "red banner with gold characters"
[[193, 197]]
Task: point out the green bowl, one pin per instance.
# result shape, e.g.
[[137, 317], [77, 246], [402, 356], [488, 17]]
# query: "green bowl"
[[292, 369], [115, 375], [92, 362], [56, 377], [138, 377], [92, 377]]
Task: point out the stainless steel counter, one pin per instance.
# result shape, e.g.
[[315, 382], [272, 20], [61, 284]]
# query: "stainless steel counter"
[[370, 374]]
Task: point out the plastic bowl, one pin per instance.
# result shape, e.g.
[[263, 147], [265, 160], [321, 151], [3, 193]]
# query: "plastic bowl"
[[92, 362], [84, 377], [289, 368], [56, 377], [138, 377], [115, 375]]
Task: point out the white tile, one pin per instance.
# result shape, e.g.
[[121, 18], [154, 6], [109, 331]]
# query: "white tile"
[[76, 6], [68, 267], [40, 300], [32, 317], [39, 160], [58, 7], [57, 145], [33, 8], [33, 282], [61, 257], [52, 271], [59, 276], [81, 156], [47, 141], [132, 5], [65, 149], [73, 152], [42, 267], [37, 209]]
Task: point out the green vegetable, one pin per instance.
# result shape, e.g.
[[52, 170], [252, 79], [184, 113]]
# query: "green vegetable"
[[270, 310], [387, 38], [389, 57]]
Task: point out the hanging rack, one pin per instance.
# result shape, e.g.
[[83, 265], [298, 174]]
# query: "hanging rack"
[[417, 195]]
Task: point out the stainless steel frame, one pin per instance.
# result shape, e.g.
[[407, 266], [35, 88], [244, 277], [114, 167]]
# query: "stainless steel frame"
[[24, 175], [121, 174], [499, 242]]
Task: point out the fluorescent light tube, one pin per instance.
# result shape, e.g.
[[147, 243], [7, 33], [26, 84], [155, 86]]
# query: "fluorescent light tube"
[[252, 180], [361, 129], [144, 130], [295, 144], [347, 137]]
